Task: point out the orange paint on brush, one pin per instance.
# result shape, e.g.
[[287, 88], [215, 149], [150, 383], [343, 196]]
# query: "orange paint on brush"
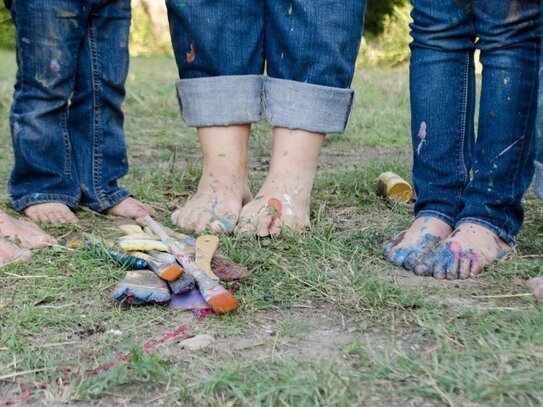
[[171, 272], [223, 303], [277, 207], [191, 56]]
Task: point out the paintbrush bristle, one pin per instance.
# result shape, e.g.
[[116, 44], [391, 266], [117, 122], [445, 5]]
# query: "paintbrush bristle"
[[171, 272], [222, 303]]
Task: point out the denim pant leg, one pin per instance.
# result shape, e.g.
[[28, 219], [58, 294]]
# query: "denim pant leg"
[[442, 89], [538, 182], [509, 39], [311, 49], [95, 115], [219, 51], [48, 38]]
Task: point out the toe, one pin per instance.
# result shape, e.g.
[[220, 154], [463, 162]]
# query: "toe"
[[390, 244], [175, 216], [425, 269], [217, 227], [263, 225], [464, 269], [477, 265], [398, 255], [411, 261]]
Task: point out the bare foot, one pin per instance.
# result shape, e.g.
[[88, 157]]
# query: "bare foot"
[[51, 212], [464, 253], [283, 200], [130, 208], [10, 253], [409, 247], [25, 234], [224, 187]]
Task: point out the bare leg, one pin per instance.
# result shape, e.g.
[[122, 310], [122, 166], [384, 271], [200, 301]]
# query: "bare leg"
[[130, 208], [27, 234], [284, 197], [464, 253], [51, 212], [409, 247], [224, 185]]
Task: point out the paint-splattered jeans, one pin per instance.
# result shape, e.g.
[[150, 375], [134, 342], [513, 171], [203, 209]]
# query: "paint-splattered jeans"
[[66, 119], [460, 177], [538, 181], [307, 47]]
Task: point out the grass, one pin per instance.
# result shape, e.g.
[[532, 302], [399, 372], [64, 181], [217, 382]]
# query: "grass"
[[323, 319]]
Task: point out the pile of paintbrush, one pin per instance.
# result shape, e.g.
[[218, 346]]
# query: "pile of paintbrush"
[[180, 270]]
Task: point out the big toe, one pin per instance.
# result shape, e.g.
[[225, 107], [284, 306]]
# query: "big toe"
[[398, 255], [38, 241]]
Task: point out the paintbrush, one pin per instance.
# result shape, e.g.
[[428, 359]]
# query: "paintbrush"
[[183, 283], [224, 268], [221, 266], [169, 271], [205, 248], [130, 244], [142, 287], [220, 300], [91, 243]]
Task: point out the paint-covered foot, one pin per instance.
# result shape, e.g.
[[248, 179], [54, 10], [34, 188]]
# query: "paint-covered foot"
[[278, 204], [130, 208], [224, 185], [26, 234], [464, 253], [409, 247], [215, 206], [283, 200], [51, 212]]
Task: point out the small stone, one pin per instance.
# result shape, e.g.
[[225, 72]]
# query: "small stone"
[[198, 342]]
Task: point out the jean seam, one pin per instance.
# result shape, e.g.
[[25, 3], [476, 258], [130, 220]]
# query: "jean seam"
[[436, 214], [97, 123], [67, 149], [464, 125], [534, 80], [34, 199]]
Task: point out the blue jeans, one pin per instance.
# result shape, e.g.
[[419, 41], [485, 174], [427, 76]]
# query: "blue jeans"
[[460, 177], [538, 182], [307, 47], [66, 119]]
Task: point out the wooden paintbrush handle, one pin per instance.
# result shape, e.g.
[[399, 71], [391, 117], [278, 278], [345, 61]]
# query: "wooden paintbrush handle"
[[205, 248]]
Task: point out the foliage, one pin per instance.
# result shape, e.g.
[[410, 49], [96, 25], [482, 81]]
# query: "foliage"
[[378, 12], [7, 30], [391, 47], [142, 41]]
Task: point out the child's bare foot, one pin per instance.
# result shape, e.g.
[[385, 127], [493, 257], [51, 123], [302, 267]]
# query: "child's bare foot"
[[409, 247], [26, 234], [130, 208], [10, 253], [51, 212], [224, 187], [464, 253], [283, 200]]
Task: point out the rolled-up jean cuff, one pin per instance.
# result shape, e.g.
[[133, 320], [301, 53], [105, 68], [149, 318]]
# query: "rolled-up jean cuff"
[[220, 100], [305, 106], [538, 180]]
